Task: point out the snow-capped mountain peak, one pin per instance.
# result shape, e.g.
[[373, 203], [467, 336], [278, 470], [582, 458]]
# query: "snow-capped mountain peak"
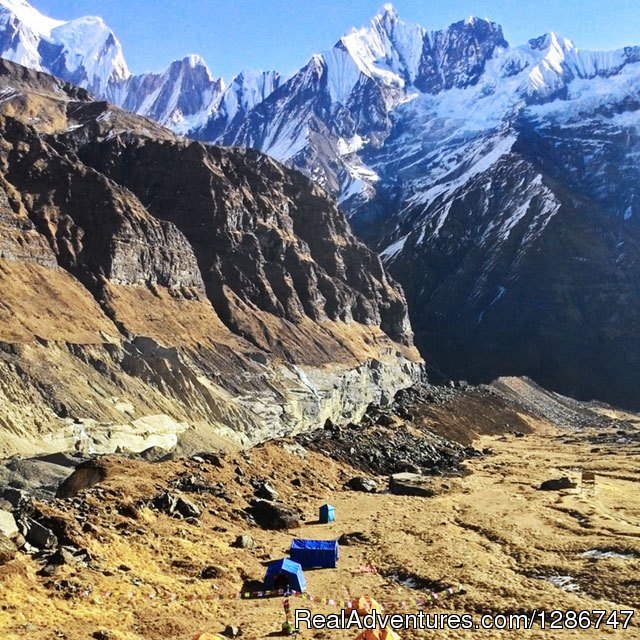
[[388, 48], [90, 52], [22, 28], [551, 41], [557, 62], [547, 75], [195, 60], [249, 88], [386, 20], [387, 12], [84, 51], [30, 16]]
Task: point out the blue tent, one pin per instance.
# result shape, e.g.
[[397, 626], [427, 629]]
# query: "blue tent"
[[314, 553], [327, 514], [285, 573]]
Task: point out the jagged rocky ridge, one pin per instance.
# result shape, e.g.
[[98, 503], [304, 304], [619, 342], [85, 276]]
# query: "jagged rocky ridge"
[[498, 182], [153, 286]]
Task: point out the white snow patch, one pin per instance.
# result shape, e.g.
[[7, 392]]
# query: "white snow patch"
[[105, 116], [599, 554], [501, 291], [484, 161], [287, 142], [394, 249], [342, 74], [566, 583], [7, 93], [350, 145], [304, 379]]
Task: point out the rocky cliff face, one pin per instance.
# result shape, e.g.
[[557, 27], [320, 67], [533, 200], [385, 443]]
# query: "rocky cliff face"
[[153, 286]]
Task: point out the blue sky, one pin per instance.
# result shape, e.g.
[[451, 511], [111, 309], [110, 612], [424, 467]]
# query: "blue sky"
[[282, 34]]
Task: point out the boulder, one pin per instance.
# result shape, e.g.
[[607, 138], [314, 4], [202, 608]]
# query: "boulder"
[[194, 484], [558, 484], [266, 492], [20, 501], [155, 454], [187, 509], [295, 449], [165, 502], [385, 420], [129, 510], [244, 541], [410, 484], [8, 526], [404, 466], [212, 458], [274, 515], [210, 573], [85, 476], [38, 535], [362, 484], [355, 537], [68, 556]]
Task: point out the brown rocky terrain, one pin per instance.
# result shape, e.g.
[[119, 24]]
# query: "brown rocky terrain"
[[152, 286], [148, 550], [168, 303]]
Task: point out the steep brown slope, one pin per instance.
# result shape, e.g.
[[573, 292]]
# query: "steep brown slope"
[[141, 274]]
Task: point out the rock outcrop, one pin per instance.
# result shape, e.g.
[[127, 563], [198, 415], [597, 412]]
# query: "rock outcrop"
[[154, 288]]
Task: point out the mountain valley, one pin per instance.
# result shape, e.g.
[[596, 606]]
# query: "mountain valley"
[[401, 282]]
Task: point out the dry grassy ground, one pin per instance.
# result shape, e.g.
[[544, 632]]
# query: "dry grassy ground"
[[492, 532]]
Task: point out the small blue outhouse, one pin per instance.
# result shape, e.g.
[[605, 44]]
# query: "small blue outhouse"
[[327, 514]]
